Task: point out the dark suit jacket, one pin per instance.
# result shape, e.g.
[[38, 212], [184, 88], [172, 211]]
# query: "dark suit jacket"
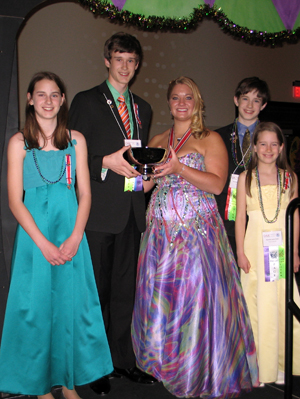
[[91, 115], [225, 133]]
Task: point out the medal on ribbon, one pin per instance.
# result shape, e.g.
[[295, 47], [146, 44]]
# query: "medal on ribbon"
[[230, 208], [133, 184], [274, 255], [68, 170], [136, 111]]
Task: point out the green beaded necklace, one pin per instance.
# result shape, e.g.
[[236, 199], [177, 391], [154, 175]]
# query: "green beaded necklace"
[[279, 191], [234, 140]]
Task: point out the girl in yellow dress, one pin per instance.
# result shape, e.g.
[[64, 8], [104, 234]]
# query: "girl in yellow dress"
[[263, 194]]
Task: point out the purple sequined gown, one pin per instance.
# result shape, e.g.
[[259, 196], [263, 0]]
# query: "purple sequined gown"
[[190, 327]]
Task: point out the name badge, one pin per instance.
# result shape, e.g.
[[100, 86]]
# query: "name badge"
[[133, 143], [272, 238], [233, 181]]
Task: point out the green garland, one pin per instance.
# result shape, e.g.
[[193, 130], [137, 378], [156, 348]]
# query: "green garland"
[[155, 23]]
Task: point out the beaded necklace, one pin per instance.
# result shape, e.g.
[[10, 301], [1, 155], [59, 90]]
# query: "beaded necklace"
[[279, 191], [234, 139], [61, 173]]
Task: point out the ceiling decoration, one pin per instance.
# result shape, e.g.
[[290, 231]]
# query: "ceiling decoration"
[[266, 23]]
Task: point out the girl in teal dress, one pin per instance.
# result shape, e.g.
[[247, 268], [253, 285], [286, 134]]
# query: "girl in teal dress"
[[53, 330]]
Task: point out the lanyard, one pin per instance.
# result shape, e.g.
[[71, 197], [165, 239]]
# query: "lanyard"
[[182, 141], [109, 103]]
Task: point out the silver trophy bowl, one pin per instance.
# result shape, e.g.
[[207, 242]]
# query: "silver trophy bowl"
[[145, 158]]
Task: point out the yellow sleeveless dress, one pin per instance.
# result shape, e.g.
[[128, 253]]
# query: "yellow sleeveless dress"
[[266, 300]]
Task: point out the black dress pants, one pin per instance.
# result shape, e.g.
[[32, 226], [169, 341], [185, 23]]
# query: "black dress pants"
[[114, 258]]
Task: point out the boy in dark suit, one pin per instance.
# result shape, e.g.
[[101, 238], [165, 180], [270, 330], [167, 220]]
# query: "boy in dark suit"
[[251, 97], [112, 118]]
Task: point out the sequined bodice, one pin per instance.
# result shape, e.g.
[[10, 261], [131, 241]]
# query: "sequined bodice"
[[194, 160], [176, 199]]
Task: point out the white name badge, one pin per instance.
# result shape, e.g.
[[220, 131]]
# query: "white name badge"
[[272, 238], [233, 181], [133, 143]]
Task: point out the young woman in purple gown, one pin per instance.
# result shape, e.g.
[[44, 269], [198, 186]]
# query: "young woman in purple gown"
[[190, 327]]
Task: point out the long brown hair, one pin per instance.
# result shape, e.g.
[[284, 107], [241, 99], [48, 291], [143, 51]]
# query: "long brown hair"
[[199, 130], [32, 128], [281, 160]]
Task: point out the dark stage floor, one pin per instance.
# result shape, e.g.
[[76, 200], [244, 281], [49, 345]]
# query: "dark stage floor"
[[122, 388], [125, 389]]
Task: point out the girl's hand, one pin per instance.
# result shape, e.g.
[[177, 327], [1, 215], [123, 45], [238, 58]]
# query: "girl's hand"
[[296, 263], [244, 263], [69, 247], [53, 255], [172, 166]]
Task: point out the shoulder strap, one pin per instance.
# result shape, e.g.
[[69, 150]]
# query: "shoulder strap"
[[25, 142], [70, 134]]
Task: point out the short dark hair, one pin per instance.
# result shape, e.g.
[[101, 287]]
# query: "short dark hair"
[[123, 43], [254, 83]]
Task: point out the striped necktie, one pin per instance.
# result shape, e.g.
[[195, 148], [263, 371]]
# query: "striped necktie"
[[123, 111]]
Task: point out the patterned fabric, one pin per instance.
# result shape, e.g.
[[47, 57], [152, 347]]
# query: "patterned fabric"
[[123, 111], [190, 324]]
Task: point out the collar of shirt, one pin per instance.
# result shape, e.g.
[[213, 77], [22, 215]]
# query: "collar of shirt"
[[242, 129], [116, 94]]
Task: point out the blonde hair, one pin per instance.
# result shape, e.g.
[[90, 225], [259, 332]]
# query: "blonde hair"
[[199, 130]]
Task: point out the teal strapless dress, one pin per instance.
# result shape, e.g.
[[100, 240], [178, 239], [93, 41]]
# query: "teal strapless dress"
[[53, 330]]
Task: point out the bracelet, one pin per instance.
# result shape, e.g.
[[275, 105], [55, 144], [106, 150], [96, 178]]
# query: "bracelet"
[[182, 169]]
